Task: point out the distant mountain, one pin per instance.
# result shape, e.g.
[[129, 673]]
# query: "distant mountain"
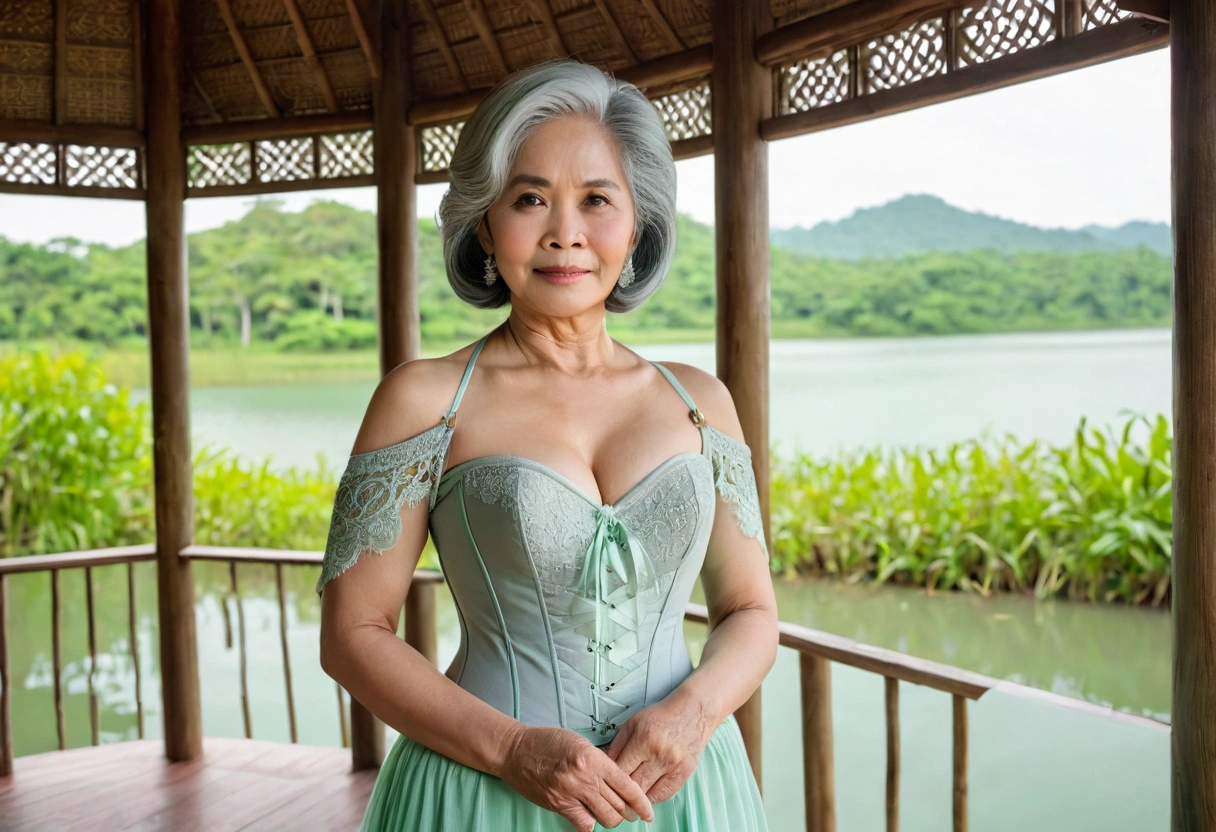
[[918, 223]]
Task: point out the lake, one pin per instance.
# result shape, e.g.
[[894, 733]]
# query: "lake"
[[1032, 766]]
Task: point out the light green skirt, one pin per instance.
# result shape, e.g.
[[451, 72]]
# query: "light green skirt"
[[420, 790]]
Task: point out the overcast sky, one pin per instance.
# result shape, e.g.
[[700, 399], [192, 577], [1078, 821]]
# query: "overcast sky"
[[1088, 146]]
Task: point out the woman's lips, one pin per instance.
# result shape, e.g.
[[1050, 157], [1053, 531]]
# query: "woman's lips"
[[562, 274]]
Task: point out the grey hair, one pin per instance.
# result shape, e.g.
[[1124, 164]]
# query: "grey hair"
[[489, 144]]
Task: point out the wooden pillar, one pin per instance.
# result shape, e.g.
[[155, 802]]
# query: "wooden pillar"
[[397, 283], [396, 200], [742, 97], [1193, 578], [169, 342]]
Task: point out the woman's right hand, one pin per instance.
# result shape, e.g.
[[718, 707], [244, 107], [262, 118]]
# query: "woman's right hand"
[[563, 772]]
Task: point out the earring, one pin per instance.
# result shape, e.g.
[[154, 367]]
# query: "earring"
[[491, 271], [627, 275]]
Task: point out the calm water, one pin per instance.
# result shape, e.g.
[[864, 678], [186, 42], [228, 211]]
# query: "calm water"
[[1032, 766]]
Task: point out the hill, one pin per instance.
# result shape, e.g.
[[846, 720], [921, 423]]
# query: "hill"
[[918, 223]]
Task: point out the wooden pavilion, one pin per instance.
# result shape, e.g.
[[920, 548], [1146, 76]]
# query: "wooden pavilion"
[[165, 100]]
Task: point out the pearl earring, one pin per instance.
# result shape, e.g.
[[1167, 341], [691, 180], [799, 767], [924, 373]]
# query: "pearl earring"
[[627, 275], [491, 271]]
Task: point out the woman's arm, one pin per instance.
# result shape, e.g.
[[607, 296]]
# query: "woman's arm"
[[360, 609]]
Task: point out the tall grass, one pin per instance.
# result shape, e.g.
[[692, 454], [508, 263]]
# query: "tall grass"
[[1091, 519]]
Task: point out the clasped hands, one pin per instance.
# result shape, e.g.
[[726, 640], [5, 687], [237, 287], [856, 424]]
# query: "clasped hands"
[[650, 758]]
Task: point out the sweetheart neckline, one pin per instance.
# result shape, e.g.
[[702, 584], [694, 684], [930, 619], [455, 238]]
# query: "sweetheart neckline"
[[463, 466]]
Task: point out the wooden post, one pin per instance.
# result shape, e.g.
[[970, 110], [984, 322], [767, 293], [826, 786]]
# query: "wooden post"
[[818, 767], [397, 237], [169, 342], [1193, 579], [742, 98]]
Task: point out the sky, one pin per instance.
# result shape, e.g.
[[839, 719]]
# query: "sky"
[[1087, 146]]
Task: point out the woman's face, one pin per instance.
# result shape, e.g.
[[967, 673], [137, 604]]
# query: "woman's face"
[[564, 225]]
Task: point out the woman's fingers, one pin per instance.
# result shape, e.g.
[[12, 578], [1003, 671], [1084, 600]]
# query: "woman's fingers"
[[617, 802], [647, 774], [633, 794], [603, 811]]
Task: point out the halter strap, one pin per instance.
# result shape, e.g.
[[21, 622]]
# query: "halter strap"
[[450, 418], [694, 412]]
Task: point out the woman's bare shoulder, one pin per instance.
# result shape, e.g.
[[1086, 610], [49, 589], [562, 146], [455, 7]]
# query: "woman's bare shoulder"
[[711, 396], [414, 396]]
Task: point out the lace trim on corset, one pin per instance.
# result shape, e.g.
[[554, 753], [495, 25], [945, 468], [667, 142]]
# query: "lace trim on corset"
[[374, 487], [736, 481]]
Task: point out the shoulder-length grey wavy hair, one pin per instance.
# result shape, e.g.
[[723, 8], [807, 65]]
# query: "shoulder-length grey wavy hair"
[[490, 142]]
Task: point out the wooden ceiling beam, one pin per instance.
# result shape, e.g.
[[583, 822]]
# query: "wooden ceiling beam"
[[310, 55], [22, 130], [841, 27], [544, 14], [445, 46], [485, 31], [622, 42], [663, 24], [344, 121], [242, 49], [670, 69], [215, 113], [365, 40]]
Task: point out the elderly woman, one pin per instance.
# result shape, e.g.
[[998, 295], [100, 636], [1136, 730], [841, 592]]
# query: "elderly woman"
[[572, 506]]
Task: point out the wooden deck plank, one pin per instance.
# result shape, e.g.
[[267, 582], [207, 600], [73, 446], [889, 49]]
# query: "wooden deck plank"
[[238, 784]]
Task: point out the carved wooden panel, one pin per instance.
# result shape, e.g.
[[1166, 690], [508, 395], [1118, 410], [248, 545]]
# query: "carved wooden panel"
[[688, 113], [1101, 12], [997, 28], [100, 167], [28, 163], [814, 82], [346, 154], [438, 143], [904, 57], [283, 160], [208, 165]]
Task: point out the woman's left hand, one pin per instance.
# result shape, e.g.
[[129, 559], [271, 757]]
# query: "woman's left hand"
[[659, 745]]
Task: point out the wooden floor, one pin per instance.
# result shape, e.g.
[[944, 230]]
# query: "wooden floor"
[[238, 784]]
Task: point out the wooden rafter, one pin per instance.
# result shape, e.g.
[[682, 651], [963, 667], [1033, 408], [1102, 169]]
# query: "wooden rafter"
[[310, 55], [242, 49], [614, 30], [137, 63], [663, 24], [540, 8], [61, 61], [445, 47], [215, 113], [365, 40], [485, 31]]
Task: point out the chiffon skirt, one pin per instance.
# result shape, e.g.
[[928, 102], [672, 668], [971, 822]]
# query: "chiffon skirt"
[[420, 790]]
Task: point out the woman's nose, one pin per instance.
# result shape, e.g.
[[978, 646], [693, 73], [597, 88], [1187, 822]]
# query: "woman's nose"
[[565, 229]]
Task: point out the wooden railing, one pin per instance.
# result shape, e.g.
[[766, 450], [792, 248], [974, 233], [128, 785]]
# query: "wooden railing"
[[817, 652]]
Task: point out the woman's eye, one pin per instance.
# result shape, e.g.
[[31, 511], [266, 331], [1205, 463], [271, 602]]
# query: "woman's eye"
[[597, 200], [526, 199]]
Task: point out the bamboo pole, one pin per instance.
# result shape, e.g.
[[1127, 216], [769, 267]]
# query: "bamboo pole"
[[1193, 579], [960, 763], [169, 343], [892, 713], [420, 629], [742, 98], [6, 692]]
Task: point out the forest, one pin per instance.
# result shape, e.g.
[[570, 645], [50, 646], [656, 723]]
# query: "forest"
[[305, 281]]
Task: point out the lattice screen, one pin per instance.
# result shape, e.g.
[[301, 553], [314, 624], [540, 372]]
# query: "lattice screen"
[[438, 144], [904, 57], [688, 113], [966, 35], [1001, 27], [816, 82], [68, 166], [1101, 12], [331, 156]]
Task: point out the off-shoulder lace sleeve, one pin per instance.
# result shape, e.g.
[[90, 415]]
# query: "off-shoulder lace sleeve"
[[374, 487], [736, 481]]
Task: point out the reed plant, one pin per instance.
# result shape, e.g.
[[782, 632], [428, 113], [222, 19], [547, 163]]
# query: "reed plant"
[[1090, 519]]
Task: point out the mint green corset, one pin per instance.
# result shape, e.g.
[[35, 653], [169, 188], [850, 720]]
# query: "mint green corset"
[[571, 611]]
